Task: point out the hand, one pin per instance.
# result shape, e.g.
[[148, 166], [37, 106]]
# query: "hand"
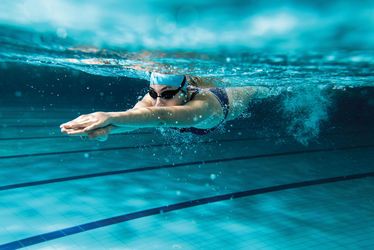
[[86, 123], [100, 134]]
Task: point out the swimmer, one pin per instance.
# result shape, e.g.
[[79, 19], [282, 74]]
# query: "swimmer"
[[175, 101]]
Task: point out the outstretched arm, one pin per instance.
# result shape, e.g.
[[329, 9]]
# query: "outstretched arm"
[[200, 111], [83, 120], [194, 113], [175, 116]]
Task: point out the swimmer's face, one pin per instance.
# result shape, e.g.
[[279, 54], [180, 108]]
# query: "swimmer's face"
[[177, 100]]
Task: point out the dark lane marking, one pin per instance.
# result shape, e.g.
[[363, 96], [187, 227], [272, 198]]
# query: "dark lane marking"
[[41, 238], [141, 169], [126, 147]]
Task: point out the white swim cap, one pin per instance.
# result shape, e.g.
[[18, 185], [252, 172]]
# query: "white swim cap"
[[168, 79]]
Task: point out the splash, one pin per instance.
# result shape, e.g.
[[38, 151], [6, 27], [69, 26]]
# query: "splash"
[[306, 109]]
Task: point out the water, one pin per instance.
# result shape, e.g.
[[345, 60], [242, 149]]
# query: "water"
[[295, 171]]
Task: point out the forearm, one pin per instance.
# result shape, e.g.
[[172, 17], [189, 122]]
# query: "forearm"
[[152, 117], [137, 117]]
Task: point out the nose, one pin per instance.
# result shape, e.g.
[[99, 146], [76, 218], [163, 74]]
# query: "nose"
[[159, 102]]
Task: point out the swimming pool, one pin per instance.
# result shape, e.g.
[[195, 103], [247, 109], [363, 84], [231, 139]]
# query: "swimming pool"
[[294, 172], [251, 186]]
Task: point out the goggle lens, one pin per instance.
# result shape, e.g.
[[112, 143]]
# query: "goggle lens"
[[169, 94]]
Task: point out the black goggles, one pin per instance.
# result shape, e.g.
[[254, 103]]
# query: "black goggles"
[[168, 94]]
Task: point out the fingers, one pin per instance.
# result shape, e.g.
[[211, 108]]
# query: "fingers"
[[90, 121], [73, 132], [80, 125], [98, 134], [64, 130]]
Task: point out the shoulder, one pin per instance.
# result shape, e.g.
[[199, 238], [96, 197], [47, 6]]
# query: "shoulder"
[[146, 101], [209, 105], [206, 98]]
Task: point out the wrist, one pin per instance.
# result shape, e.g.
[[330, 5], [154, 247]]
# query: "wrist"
[[116, 118]]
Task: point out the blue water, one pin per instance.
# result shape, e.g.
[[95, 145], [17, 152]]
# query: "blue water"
[[295, 171], [241, 42]]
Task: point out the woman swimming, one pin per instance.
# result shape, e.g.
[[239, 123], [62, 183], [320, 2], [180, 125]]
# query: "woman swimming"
[[175, 101]]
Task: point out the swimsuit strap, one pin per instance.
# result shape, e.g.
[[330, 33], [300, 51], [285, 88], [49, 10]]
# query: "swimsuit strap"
[[196, 91]]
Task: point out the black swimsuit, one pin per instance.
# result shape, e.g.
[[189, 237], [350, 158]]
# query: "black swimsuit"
[[221, 95]]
